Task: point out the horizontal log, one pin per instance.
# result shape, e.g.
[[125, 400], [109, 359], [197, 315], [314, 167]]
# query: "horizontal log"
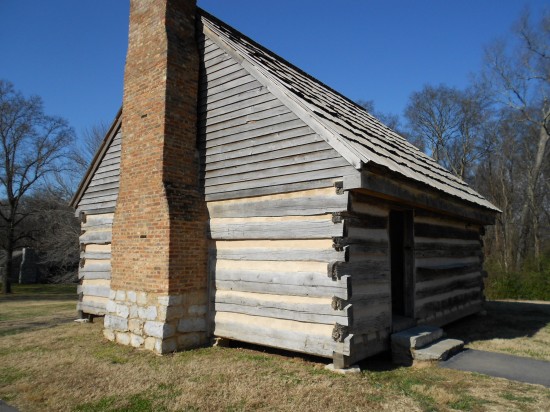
[[425, 274], [273, 280], [95, 255], [444, 232], [283, 334], [320, 255], [254, 187], [98, 221], [367, 270], [424, 309], [93, 290], [99, 238], [451, 285], [307, 204], [364, 221], [369, 322], [452, 316], [95, 308], [274, 229], [93, 275]]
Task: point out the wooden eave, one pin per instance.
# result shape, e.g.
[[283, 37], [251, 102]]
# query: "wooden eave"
[[96, 161]]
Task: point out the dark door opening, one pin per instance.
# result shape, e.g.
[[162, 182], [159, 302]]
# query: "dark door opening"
[[401, 260]]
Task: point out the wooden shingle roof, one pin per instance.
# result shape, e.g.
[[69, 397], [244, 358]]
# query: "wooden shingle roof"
[[357, 135]]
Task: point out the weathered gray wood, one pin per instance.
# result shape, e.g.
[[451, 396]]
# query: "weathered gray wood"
[[425, 274], [221, 71], [269, 190], [256, 155], [370, 271], [103, 175], [365, 221], [309, 279], [94, 206], [273, 168], [246, 91], [292, 287], [98, 222], [368, 322], [449, 252], [297, 206], [314, 255], [97, 211], [297, 136], [444, 232], [270, 124], [247, 122], [452, 284], [277, 338], [98, 238], [84, 274], [97, 181], [106, 186], [310, 176], [238, 108], [291, 163], [99, 199], [95, 308], [293, 229], [430, 308], [93, 290], [229, 86], [95, 255]]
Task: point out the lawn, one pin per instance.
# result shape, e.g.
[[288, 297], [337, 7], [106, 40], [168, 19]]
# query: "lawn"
[[71, 367]]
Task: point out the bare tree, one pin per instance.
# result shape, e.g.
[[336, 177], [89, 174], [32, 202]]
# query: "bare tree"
[[518, 75], [33, 146], [450, 124]]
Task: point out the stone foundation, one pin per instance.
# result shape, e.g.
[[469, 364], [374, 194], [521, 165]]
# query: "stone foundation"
[[155, 322]]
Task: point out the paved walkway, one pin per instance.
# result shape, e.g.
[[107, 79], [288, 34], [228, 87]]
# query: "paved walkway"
[[503, 366], [4, 407]]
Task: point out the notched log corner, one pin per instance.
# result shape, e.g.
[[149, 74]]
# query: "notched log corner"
[[338, 303], [339, 186], [339, 332], [332, 270]]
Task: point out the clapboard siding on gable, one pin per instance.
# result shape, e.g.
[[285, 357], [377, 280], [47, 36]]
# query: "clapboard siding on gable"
[[251, 144], [102, 190]]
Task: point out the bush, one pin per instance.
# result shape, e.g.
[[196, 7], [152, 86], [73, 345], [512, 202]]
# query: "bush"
[[532, 282]]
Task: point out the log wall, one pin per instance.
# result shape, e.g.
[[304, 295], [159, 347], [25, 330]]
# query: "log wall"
[[95, 263], [269, 262], [448, 264]]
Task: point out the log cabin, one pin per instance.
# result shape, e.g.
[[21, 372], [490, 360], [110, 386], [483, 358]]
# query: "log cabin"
[[235, 196]]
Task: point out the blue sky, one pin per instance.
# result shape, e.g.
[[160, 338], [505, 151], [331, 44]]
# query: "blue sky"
[[72, 52]]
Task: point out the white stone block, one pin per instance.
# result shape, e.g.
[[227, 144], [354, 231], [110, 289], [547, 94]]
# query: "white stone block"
[[136, 341], [132, 296], [150, 343], [115, 323], [141, 298], [158, 329], [133, 311], [188, 341], [170, 300], [110, 307], [123, 338], [192, 325], [166, 345], [109, 334], [174, 312], [120, 295], [122, 310], [112, 294], [198, 310], [135, 326], [147, 313]]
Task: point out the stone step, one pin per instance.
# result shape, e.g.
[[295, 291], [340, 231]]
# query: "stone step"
[[436, 351], [416, 337]]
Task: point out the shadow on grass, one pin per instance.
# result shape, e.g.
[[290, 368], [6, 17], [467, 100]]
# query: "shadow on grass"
[[40, 292], [504, 320]]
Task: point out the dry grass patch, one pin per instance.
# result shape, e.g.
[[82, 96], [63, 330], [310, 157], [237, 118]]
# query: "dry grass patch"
[[511, 327], [70, 367]]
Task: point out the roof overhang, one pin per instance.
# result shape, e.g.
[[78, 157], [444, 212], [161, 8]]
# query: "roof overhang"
[[390, 186]]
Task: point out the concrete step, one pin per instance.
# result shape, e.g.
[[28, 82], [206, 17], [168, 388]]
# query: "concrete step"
[[438, 351], [416, 337]]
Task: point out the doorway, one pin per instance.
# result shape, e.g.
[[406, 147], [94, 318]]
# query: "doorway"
[[401, 261]]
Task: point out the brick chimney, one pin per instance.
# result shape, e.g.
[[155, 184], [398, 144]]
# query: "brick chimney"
[[159, 248]]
